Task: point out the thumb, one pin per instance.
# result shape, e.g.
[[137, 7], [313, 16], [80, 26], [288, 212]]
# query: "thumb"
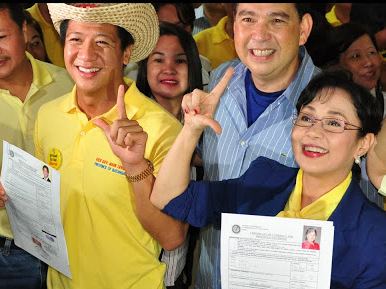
[[213, 124], [102, 124]]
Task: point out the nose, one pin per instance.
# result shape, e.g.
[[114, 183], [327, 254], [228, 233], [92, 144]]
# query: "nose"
[[87, 51], [368, 60], [261, 31], [316, 130], [169, 67]]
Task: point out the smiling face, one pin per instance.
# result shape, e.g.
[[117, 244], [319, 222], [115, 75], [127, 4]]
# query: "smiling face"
[[167, 69], [12, 47], [93, 57], [363, 60], [267, 39], [326, 154], [311, 236]]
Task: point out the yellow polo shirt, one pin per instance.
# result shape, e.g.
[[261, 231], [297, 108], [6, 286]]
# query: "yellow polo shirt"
[[17, 118], [107, 245], [215, 44], [54, 47]]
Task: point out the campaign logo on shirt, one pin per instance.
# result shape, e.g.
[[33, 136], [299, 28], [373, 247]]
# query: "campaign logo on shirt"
[[54, 158], [109, 166]]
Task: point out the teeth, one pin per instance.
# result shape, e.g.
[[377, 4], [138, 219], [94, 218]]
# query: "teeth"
[[266, 52], [88, 70], [315, 150], [168, 81]]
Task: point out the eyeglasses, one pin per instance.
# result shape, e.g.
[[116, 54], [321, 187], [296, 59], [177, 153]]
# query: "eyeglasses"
[[328, 123]]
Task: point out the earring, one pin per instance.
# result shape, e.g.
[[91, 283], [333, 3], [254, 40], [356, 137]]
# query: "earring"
[[358, 160]]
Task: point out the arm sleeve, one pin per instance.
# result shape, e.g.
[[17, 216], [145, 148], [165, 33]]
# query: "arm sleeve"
[[203, 202]]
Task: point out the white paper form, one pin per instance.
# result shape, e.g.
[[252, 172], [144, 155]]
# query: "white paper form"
[[268, 252], [33, 207]]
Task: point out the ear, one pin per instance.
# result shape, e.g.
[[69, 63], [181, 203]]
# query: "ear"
[[127, 54], [305, 28], [24, 30], [365, 144]]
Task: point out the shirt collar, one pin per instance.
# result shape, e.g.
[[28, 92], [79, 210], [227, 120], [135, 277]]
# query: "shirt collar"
[[70, 105], [320, 209]]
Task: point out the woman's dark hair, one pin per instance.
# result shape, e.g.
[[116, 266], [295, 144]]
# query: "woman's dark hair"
[[16, 12], [125, 37], [185, 11], [189, 46], [367, 108]]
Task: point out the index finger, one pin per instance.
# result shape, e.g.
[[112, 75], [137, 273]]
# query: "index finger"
[[218, 90], [121, 102]]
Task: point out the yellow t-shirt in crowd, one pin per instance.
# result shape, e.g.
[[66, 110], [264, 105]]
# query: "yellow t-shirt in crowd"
[[331, 17], [215, 44], [107, 245], [17, 118], [54, 47]]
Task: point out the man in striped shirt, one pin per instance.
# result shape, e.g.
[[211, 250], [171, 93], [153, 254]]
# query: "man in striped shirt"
[[256, 109]]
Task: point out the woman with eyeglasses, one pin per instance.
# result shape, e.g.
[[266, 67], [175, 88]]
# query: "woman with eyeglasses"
[[336, 124]]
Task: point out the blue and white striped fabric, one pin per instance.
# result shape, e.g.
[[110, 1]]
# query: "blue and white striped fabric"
[[229, 154]]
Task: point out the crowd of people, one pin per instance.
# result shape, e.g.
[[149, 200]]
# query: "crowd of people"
[[274, 109]]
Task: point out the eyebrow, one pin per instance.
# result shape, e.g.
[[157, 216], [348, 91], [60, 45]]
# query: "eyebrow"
[[99, 34], [332, 112], [280, 14], [162, 54]]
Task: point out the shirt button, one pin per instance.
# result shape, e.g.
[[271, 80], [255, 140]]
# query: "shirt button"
[[82, 133], [242, 143]]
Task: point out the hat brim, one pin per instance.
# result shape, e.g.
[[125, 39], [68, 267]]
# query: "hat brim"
[[139, 19]]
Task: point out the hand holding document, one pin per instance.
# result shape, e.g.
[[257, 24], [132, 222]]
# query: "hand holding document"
[[33, 207], [274, 252]]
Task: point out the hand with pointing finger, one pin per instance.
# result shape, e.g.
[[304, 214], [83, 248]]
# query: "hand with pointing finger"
[[126, 137], [200, 106]]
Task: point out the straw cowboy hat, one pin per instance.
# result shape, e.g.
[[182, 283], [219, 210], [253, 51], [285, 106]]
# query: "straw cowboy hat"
[[139, 19]]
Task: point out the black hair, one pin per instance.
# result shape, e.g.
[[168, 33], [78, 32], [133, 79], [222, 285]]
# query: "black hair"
[[371, 15], [16, 12], [45, 167], [367, 108], [189, 46], [125, 37], [301, 8], [185, 11]]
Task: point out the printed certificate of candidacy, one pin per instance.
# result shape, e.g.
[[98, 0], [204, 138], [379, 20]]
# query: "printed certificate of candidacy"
[[274, 252], [33, 207]]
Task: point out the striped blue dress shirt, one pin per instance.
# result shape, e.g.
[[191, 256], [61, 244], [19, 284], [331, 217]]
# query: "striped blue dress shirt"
[[229, 154]]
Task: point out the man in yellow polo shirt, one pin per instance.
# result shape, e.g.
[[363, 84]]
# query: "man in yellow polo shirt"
[[96, 136], [25, 84], [216, 43]]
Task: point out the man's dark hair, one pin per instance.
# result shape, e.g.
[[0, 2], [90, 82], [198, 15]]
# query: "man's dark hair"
[[125, 37], [301, 8], [16, 12]]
